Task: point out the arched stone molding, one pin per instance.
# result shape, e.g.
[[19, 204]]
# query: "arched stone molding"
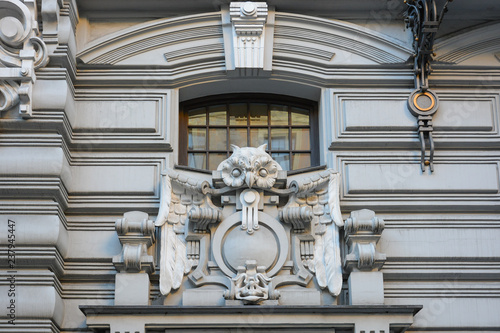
[[195, 46], [328, 42], [194, 37], [479, 42]]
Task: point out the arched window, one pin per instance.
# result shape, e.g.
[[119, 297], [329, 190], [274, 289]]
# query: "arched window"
[[210, 125]]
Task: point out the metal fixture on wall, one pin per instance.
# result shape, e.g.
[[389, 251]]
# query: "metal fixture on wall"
[[422, 17]]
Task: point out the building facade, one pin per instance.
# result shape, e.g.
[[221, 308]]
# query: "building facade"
[[369, 200]]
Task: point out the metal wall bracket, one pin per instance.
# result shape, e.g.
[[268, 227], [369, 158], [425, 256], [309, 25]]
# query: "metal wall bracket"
[[422, 17]]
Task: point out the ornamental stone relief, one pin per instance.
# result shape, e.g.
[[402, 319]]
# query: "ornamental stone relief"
[[251, 233], [21, 53]]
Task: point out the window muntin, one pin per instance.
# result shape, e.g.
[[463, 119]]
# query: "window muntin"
[[209, 127]]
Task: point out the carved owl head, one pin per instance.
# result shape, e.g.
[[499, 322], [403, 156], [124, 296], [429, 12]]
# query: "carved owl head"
[[250, 166]]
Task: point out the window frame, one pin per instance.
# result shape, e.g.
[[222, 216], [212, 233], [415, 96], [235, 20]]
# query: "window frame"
[[227, 99]]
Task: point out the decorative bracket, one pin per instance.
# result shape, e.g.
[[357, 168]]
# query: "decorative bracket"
[[422, 17], [136, 233], [21, 53], [362, 232]]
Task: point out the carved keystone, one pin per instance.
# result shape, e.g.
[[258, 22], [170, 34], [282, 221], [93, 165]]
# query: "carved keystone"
[[136, 234], [248, 19], [362, 232]]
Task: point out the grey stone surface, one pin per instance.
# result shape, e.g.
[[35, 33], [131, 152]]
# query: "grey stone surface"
[[105, 123]]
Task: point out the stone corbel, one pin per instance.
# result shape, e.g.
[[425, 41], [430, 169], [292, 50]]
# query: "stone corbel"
[[136, 234], [363, 262], [362, 231], [21, 53], [251, 45]]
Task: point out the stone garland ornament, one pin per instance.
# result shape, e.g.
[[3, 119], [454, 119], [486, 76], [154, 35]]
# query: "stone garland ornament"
[[251, 230], [21, 53]]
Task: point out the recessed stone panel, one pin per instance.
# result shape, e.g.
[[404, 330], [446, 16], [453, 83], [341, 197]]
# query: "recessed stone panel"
[[408, 178], [119, 115]]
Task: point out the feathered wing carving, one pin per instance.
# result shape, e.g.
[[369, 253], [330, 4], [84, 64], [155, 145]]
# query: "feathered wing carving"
[[165, 200], [179, 194], [327, 262], [173, 247], [173, 259]]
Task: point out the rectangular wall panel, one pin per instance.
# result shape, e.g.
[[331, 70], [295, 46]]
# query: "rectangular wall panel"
[[408, 178], [117, 115], [117, 179], [381, 118]]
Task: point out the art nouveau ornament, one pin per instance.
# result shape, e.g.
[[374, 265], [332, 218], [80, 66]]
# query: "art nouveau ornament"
[[251, 231], [21, 53]]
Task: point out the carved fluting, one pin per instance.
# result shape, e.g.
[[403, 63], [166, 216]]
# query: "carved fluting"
[[136, 233], [296, 216], [203, 216], [362, 232], [21, 52], [193, 252], [248, 19], [307, 253]]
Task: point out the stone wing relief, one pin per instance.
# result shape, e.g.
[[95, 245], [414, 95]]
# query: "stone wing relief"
[[317, 201], [253, 234]]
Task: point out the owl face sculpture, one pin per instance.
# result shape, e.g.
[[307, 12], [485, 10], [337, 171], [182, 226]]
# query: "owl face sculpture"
[[250, 166]]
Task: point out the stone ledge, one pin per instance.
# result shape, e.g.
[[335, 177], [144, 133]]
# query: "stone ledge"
[[249, 309], [356, 319]]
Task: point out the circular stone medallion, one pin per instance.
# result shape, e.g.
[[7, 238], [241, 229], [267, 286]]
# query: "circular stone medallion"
[[233, 246], [238, 247]]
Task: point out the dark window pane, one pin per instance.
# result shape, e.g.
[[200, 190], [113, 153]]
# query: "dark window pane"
[[197, 117], [300, 116], [258, 114], [283, 159], [217, 115], [279, 115], [238, 136], [300, 139], [197, 138], [218, 139], [197, 160], [238, 114], [301, 160], [214, 160], [258, 136], [279, 139]]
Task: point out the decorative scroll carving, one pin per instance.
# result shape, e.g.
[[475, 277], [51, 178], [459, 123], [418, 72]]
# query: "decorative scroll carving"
[[203, 216], [248, 20], [136, 233], [362, 232], [21, 52], [296, 216], [243, 219]]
